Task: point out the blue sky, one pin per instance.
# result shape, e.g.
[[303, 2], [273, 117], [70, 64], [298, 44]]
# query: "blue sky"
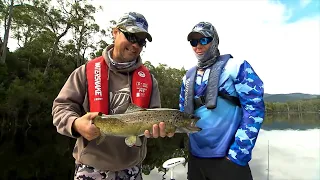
[[300, 9]]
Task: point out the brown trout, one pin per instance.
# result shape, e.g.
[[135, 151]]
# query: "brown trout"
[[132, 124]]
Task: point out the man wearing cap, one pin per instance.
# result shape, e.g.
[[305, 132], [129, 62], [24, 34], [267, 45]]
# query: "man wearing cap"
[[108, 84], [228, 96]]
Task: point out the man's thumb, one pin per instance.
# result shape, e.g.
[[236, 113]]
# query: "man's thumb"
[[91, 115]]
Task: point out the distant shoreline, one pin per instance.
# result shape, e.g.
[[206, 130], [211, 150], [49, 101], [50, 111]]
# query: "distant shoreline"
[[294, 112]]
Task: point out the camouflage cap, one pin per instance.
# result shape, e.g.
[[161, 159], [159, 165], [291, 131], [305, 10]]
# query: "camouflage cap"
[[134, 22], [206, 29]]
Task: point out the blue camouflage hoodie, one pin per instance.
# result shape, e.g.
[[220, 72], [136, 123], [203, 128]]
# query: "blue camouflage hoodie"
[[229, 130]]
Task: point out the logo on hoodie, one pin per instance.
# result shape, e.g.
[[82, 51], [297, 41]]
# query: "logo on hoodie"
[[141, 74], [119, 99]]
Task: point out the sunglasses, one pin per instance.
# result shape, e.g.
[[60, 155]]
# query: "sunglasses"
[[202, 41], [133, 38]]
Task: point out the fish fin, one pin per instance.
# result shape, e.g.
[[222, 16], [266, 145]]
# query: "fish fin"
[[130, 140], [182, 130], [101, 138], [133, 141], [133, 108], [138, 141]]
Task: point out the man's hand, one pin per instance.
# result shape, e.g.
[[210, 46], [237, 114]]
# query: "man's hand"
[[84, 126], [158, 130]]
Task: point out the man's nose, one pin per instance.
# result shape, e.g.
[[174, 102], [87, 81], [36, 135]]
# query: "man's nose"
[[199, 45]]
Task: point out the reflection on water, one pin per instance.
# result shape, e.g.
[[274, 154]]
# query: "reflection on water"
[[296, 121], [41, 153], [294, 151], [293, 155]]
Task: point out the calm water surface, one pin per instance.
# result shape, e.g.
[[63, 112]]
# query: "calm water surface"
[[294, 151]]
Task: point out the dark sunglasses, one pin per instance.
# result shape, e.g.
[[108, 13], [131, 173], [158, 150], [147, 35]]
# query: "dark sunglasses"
[[133, 38], [202, 41]]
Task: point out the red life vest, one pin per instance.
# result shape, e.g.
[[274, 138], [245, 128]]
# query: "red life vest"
[[98, 91]]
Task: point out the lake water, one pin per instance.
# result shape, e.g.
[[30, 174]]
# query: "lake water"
[[294, 151]]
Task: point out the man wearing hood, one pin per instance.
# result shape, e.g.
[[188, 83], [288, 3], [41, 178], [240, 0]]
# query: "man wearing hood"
[[108, 84], [228, 96]]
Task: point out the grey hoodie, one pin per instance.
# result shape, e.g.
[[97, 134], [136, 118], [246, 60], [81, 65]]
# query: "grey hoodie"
[[71, 103]]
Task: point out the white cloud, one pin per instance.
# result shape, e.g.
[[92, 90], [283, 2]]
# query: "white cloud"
[[304, 3], [286, 56]]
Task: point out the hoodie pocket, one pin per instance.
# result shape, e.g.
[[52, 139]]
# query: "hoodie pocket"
[[112, 154]]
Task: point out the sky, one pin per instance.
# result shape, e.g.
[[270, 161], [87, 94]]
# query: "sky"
[[280, 39]]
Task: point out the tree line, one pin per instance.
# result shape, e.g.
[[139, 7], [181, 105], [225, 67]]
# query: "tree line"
[[299, 106]]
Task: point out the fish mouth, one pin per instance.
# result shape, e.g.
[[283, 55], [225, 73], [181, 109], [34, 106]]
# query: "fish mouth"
[[195, 118], [188, 129], [194, 129], [191, 129]]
